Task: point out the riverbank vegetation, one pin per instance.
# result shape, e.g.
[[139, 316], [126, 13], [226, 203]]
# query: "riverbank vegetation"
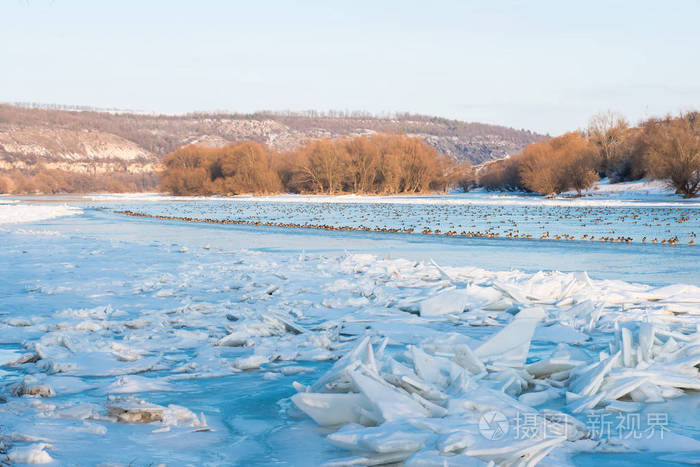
[[659, 148], [372, 164], [54, 181]]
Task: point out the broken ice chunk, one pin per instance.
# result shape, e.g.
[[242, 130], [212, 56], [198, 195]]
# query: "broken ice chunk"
[[134, 383], [33, 454], [451, 301], [434, 370], [559, 333], [251, 362], [550, 366], [587, 381], [515, 452], [235, 339], [132, 410], [28, 387], [387, 438], [533, 399], [338, 373], [135, 411], [334, 409], [389, 402], [431, 458], [465, 357], [615, 389], [509, 346], [647, 392]]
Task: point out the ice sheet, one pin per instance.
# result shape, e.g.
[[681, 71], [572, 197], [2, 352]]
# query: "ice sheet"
[[174, 353]]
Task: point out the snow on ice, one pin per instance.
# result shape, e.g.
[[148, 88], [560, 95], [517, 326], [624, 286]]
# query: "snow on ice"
[[16, 213]]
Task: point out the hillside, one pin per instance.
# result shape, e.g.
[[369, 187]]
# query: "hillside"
[[81, 151], [87, 141]]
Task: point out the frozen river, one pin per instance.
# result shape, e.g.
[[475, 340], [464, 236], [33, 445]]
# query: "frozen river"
[[492, 232], [140, 341]]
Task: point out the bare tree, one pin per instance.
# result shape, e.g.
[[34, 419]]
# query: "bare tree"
[[607, 131], [324, 164], [363, 157], [674, 151], [563, 163]]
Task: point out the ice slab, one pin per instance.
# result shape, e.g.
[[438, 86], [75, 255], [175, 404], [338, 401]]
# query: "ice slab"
[[32, 454], [335, 409], [510, 345]]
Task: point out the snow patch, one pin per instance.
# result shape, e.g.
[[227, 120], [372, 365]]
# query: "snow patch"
[[24, 213]]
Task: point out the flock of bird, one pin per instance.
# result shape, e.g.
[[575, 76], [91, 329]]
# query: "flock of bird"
[[601, 224]]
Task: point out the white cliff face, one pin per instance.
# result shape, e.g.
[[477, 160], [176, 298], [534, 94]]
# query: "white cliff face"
[[72, 150]]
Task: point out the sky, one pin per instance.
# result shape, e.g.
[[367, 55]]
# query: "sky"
[[546, 66]]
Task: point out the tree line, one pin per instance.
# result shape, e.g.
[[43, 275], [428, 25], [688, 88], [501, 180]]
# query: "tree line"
[[53, 181], [659, 148], [371, 164]]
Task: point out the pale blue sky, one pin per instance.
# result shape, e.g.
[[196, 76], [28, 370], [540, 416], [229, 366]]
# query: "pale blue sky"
[[541, 65]]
